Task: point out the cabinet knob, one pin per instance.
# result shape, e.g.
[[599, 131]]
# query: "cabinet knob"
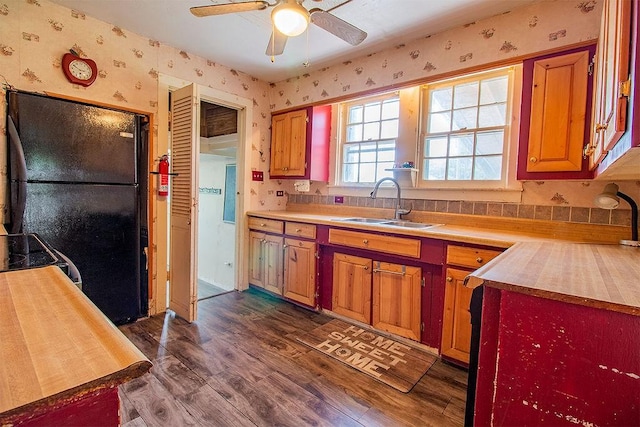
[[365, 241], [285, 168], [533, 159], [366, 267], [262, 224], [479, 260], [298, 230], [449, 279]]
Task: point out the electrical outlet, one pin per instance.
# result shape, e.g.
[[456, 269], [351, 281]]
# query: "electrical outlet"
[[302, 186], [338, 199], [257, 176], [279, 193]]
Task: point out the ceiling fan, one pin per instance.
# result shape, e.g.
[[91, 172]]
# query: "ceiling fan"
[[289, 19]]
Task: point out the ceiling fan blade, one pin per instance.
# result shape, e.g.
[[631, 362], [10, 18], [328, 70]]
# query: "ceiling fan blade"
[[336, 26], [221, 9], [276, 47]]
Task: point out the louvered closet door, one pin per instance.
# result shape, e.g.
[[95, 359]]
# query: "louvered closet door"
[[183, 255]]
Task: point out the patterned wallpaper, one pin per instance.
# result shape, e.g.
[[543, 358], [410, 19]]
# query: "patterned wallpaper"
[[540, 26], [34, 34]]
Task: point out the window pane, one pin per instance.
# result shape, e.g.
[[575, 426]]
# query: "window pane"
[[372, 112], [465, 95], [350, 173], [494, 90], [389, 129], [461, 145], [488, 168], [490, 142], [354, 133], [355, 114], [390, 109], [441, 100], [371, 131], [351, 153], [492, 115], [367, 172], [435, 147], [387, 152], [368, 152], [434, 169], [464, 119], [440, 122], [460, 168]]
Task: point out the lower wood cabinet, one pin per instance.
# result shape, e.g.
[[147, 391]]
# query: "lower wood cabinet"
[[456, 319], [300, 271], [284, 265], [351, 295], [396, 299], [383, 294], [265, 261]]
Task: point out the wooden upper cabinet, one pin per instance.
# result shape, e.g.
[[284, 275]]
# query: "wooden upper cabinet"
[[612, 86], [300, 144], [555, 115], [288, 144]]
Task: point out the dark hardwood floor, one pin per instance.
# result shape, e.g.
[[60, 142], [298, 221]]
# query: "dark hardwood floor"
[[239, 364]]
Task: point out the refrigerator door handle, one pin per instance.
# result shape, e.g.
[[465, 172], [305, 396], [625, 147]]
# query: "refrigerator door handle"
[[17, 210]]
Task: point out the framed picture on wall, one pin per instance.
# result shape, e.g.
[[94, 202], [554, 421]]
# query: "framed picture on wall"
[[229, 210]]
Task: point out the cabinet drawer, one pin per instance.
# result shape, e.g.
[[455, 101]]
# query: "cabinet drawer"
[[376, 242], [470, 257], [300, 230], [269, 225]]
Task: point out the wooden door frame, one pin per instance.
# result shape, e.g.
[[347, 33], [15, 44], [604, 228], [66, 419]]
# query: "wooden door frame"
[[244, 106]]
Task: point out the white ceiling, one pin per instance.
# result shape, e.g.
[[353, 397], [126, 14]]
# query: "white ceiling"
[[239, 40]]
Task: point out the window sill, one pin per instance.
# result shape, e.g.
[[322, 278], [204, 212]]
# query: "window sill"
[[473, 195]]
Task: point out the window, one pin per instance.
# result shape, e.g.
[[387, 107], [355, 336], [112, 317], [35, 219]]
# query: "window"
[[465, 131], [369, 133]]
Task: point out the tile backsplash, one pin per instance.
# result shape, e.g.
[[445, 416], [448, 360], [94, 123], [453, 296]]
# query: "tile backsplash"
[[591, 215]]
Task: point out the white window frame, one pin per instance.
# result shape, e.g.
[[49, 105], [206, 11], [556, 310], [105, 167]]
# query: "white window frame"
[[508, 180], [342, 126]]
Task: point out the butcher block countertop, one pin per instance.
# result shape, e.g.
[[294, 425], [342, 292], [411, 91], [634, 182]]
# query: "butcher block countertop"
[[56, 345], [601, 276]]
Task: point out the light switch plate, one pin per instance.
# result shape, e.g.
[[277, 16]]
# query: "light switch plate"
[[257, 176]]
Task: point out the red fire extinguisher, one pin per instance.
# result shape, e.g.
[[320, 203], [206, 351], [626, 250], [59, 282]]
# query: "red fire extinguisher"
[[163, 177]]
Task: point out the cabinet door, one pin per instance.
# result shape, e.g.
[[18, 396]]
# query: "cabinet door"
[[456, 321], [289, 144], [256, 258], [396, 299], [558, 113], [300, 271], [272, 264], [612, 70], [351, 296]]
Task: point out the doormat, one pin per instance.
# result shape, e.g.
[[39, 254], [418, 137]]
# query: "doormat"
[[378, 356]]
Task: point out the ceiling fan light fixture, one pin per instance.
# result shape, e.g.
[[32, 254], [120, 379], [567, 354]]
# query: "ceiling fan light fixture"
[[290, 18]]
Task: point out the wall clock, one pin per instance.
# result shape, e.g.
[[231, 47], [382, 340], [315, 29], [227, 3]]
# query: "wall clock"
[[80, 71]]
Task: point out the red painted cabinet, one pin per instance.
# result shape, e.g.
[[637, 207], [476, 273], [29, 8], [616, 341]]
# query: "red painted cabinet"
[[549, 362]]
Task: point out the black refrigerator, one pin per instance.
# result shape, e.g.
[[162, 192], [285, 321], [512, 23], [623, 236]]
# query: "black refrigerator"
[[77, 177]]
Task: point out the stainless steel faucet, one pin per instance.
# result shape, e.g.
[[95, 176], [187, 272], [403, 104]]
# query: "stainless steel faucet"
[[398, 210]]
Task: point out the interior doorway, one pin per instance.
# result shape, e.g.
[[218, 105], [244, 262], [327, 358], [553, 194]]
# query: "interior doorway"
[[217, 199]]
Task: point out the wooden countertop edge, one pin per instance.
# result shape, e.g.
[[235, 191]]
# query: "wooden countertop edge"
[[558, 296], [41, 406]]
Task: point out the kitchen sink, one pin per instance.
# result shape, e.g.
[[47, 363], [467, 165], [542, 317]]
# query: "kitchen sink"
[[390, 222], [365, 220], [407, 224]]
